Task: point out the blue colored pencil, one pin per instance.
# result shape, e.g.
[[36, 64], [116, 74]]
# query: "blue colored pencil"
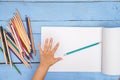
[[79, 49]]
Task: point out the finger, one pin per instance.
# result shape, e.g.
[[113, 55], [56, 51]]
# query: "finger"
[[50, 44], [40, 49], [46, 45], [58, 59], [55, 48]]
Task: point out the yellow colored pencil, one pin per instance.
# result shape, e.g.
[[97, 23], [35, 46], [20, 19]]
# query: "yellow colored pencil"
[[18, 27], [22, 27], [22, 34]]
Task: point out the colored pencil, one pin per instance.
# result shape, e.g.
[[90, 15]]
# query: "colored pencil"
[[30, 34], [13, 64], [18, 40], [23, 32], [21, 23], [20, 32], [11, 32], [16, 51], [16, 69], [8, 52], [79, 49], [4, 45], [17, 37], [20, 57]]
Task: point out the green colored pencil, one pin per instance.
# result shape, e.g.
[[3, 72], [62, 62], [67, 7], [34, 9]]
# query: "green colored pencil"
[[85, 47], [12, 63]]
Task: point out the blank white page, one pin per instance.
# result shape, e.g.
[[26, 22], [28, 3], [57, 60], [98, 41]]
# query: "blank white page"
[[111, 51], [71, 38]]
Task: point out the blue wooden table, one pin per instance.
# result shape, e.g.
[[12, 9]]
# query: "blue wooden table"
[[99, 13]]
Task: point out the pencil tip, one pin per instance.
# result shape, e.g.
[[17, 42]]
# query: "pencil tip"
[[64, 54], [20, 73]]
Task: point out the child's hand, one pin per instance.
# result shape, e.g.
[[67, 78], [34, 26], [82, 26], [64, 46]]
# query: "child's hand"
[[47, 54]]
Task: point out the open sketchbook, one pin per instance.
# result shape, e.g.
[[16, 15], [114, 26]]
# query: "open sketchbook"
[[103, 57]]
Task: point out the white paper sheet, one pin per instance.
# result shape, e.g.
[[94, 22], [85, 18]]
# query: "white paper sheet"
[[70, 38], [111, 51]]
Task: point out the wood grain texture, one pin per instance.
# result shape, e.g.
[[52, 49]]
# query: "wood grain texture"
[[10, 74], [60, 0], [62, 11]]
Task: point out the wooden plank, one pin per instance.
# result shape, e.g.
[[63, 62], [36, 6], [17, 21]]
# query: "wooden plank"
[[8, 73], [58, 0], [62, 11], [36, 25]]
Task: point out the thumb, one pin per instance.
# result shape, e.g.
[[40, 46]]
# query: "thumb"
[[58, 59]]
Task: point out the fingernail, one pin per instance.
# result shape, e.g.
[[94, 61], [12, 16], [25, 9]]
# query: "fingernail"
[[51, 39], [58, 43]]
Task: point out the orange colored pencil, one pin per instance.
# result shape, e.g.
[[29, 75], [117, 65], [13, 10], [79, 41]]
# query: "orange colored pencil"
[[22, 28], [20, 32], [16, 37], [21, 23]]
